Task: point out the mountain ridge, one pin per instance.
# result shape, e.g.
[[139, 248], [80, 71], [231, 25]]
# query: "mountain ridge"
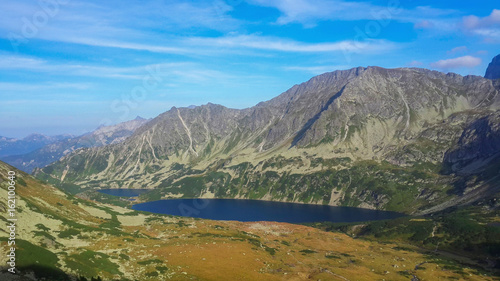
[[50, 152], [32, 142], [369, 116]]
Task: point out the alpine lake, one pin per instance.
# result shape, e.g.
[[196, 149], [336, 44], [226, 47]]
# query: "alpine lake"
[[253, 210]]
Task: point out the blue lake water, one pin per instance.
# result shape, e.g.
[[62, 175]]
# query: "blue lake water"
[[256, 210], [124, 192]]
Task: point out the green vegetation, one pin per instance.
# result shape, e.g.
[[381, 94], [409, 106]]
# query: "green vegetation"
[[307, 251], [162, 269], [42, 227], [90, 263], [471, 232], [44, 234], [377, 183], [125, 257], [151, 261], [20, 181], [152, 274], [332, 256], [81, 278], [113, 225], [384, 185], [34, 258], [69, 233]]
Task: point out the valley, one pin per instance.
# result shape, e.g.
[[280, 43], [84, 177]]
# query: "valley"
[[414, 141], [61, 237], [293, 140], [408, 140]]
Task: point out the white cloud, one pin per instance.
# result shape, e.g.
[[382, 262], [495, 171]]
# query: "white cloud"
[[472, 22], [143, 26], [19, 62], [487, 27], [146, 26], [158, 15], [426, 18], [415, 63], [460, 49], [465, 61], [285, 45], [191, 46], [318, 69], [309, 13], [181, 72], [490, 34], [424, 24], [21, 87], [138, 72], [126, 45]]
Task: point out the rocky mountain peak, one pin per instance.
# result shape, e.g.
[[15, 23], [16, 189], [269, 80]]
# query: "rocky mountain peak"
[[35, 137], [333, 131], [493, 70]]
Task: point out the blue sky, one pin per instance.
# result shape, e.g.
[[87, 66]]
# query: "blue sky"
[[67, 66]]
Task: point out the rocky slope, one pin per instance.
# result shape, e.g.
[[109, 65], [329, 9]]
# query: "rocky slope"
[[493, 70], [62, 237], [395, 139], [51, 152]]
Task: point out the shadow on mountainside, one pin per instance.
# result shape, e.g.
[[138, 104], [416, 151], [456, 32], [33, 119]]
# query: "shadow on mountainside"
[[310, 122]]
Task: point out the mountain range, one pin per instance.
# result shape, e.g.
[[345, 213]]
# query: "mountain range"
[[49, 149], [406, 139], [11, 146]]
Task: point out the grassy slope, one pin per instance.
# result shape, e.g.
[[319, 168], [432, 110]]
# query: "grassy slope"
[[85, 238], [469, 234]]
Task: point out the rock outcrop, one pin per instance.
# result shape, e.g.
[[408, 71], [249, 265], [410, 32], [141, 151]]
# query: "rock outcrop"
[[493, 70]]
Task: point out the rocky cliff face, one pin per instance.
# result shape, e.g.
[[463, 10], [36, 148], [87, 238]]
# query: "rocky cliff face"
[[479, 142], [369, 137], [493, 70]]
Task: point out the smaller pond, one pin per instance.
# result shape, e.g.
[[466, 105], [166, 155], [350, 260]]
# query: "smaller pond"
[[122, 192]]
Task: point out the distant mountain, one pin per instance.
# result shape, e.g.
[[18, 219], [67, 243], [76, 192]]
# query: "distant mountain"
[[403, 139], [11, 146], [51, 152], [493, 70]]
